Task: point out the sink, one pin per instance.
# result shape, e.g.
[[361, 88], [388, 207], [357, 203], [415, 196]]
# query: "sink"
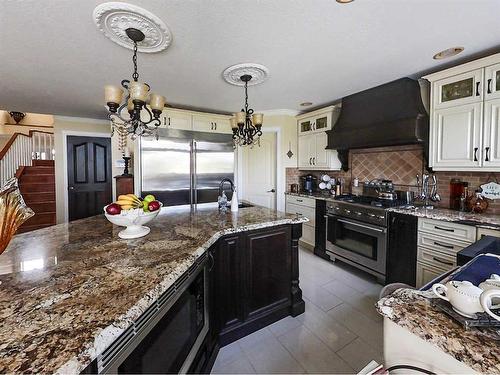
[[244, 205]]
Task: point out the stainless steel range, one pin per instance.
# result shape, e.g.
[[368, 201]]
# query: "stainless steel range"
[[356, 229]]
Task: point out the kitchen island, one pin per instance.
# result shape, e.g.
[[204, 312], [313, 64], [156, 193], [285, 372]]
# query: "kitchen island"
[[69, 291], [416, 333]]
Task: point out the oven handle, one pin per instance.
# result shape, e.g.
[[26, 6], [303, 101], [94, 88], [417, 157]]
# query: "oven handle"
[[353, 223]]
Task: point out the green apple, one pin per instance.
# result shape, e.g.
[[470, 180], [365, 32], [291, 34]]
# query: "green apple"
[[149, 198], [145, 205]]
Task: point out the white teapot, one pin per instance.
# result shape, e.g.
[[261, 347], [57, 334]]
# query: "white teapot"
[[491, 289], [463, 296], [492, 283]]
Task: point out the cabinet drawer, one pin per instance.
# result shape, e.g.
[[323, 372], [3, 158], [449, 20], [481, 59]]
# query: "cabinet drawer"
[[427, 272], [308, 212], [436, 258], [303, 201], [447, 229], [442, 244]]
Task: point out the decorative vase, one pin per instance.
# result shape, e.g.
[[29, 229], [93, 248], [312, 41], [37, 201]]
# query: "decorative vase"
[[13, 212]]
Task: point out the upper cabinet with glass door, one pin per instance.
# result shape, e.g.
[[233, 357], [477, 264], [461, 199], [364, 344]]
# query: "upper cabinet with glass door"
[[492, 82], [317, 121], [465, 88]]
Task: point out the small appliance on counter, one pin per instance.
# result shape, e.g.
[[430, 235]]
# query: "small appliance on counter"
[[308, 183], [294, 188]]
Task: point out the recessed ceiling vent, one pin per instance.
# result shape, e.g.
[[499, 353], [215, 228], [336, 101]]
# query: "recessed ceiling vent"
[[114, 18]]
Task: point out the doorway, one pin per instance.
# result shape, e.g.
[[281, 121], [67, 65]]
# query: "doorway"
[[259, 172], [89, 175]]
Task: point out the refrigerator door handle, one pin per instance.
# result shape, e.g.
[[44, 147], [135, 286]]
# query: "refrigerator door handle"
[[195, 187]]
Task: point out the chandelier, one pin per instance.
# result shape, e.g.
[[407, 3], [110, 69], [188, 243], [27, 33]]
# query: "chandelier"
[[137, 100], [246, 125]]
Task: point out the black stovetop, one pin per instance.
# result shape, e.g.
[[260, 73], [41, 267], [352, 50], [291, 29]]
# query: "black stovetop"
[[368, 201]]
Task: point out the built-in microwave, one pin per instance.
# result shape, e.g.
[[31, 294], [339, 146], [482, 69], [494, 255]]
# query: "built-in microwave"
[[167, 336]]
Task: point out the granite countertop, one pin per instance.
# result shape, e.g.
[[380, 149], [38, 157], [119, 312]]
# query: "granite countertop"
[[483, 220], [68, 291], [468, 218], [477, 348], [315, 195]]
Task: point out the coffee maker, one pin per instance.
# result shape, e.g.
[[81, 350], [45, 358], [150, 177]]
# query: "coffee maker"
[[308, 183]]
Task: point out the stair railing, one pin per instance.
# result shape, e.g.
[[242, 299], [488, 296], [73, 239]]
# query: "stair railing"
[[21, 149]]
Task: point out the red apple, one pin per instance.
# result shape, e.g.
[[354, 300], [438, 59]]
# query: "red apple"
[[153, 206], [113, 209]]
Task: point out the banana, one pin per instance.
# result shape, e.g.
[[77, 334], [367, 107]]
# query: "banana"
[[124, 197], [127, 207], [123, 202]]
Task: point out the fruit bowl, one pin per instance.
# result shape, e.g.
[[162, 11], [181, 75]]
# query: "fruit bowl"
[[134, 220]]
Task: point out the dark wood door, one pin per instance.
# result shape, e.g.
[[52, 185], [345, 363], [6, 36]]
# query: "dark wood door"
[[229, 288], [269, 270], [402, 249], [89, 176]]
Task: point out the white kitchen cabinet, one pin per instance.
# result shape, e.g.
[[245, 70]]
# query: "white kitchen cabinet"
[[173, 119], [456, 137], [306, 207], [427, 272], [457, 90], [313, 155], [491, 134], [318, 121], [492, 82], [211, 124], [465, 117]]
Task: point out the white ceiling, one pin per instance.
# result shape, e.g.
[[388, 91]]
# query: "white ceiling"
[[54, 60]]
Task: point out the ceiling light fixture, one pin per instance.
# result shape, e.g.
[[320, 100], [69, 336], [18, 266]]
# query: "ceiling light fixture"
[[344, 1], [136, 101], [246, 124], [450, 52], [306, 104]]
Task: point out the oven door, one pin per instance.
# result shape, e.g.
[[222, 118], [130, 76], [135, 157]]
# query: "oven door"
[[361, 243]]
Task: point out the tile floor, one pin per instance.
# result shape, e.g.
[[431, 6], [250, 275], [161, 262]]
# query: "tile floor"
[[340, 331]]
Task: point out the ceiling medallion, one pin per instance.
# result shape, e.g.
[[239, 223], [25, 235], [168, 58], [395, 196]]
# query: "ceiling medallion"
[[114, 18], [233, 74]]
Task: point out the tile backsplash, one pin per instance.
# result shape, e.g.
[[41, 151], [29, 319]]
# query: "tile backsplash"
[[401, 165]]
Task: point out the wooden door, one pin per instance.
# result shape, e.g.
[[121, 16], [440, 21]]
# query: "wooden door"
[[322, 156], [228, 283], [456, 137], [259, 172], [203, 124], [402, 249], [89, 176], [269, 270], [177, 120], [458, 90], [492, 82], [491, 146]]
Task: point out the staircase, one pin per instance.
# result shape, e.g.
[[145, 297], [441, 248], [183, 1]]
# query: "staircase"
[[29, 157], [37, 185]]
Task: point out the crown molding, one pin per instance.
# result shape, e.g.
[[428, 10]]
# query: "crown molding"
[[280, 112], [80, 120]]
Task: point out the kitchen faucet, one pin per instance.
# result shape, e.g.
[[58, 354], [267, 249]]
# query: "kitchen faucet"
[[222, 199]]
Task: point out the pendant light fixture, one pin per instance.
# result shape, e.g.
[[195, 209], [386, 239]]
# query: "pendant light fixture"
[[137, 100], [246, 125]]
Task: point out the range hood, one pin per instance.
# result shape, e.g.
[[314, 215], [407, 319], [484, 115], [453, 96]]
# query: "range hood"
[[392, 114]]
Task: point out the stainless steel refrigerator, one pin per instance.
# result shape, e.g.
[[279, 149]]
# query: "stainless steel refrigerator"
[[184, 167]]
